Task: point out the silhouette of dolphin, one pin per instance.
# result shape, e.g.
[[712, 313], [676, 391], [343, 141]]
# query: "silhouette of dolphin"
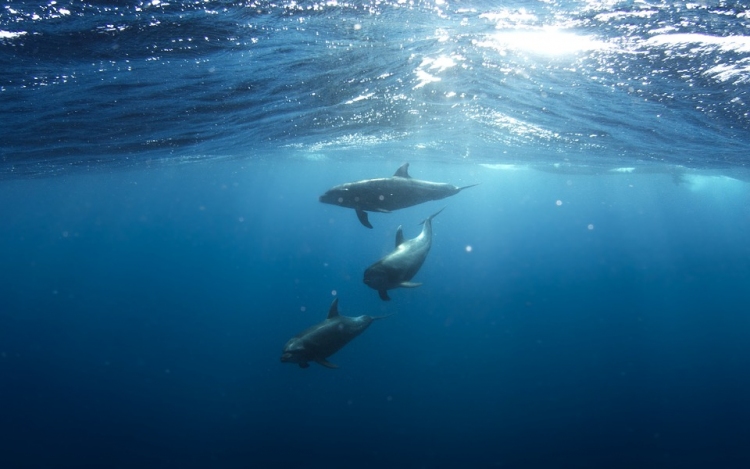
[[322, 340], [387, 194], [397, 268]]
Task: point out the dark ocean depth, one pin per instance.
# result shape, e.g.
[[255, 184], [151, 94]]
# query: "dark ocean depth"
[[586, 305]]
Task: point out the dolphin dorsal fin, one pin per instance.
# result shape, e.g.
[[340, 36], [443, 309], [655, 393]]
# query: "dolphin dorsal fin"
[[399, 236], [334, 311], [403, 171]]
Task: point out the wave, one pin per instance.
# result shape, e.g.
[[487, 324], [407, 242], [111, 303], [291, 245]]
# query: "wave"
[[100, 82]]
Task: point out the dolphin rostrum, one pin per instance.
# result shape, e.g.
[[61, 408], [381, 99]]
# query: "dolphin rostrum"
[[387, 194], [322, 340], [397, 268]]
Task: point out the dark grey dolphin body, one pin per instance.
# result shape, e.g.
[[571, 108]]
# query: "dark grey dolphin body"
[[317, 343], [397, 268], [387, 194]]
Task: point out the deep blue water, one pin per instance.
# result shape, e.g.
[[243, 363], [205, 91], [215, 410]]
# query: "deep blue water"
[[587, 305]]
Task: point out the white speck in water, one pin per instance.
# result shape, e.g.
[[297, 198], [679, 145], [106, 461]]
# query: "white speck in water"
[[469, 248], [558, 203], [381, 197], [591, 226]]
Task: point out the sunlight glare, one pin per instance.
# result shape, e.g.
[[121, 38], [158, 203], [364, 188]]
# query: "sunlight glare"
[[549, 42]]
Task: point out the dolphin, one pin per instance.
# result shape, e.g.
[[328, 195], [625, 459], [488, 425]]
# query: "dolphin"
[[397, 268], [317, 343], [387, 194]]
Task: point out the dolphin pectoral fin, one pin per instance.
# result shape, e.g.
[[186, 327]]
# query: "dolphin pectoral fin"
[[403, 171], [409, 284], [326, 363], [384, 295], [362, 215], [304, 365]]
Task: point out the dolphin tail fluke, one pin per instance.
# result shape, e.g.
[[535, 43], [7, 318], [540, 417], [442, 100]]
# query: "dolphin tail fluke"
[[326, 363], [362, 216], [384, 295]]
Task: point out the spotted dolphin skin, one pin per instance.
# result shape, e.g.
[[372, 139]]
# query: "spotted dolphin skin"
[[397, 268], [387, 194], [317, 343]]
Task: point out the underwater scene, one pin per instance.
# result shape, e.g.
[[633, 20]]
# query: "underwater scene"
[[377, 234]]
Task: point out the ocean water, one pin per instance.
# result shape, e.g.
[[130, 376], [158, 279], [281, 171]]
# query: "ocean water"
[[587, 305]]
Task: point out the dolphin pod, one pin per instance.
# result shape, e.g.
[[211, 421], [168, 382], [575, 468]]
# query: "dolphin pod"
[[387, 194], [394, 270]]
